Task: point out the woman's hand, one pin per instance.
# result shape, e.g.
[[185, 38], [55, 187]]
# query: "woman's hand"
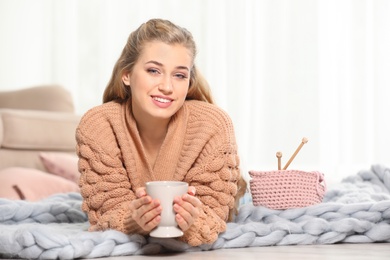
[[146, 211], [187, 209]]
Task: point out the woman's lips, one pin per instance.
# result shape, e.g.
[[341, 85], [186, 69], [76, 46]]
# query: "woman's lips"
[[162, 102]]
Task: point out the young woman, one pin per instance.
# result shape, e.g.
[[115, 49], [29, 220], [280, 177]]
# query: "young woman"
[[158, 122]]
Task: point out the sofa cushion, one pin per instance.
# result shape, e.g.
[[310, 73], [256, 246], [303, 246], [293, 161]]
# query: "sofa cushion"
[[61, 164], [37, 130], [48, 98], [32, 184], [20, 158]]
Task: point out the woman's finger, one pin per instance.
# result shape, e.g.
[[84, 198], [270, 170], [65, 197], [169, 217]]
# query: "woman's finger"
[[138, 203], [147, 215], [191, 190], [194, 201], [151, 218], [140, 192], [187, 209]]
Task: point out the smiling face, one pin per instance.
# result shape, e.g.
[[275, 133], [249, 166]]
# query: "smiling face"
[[159, 80]]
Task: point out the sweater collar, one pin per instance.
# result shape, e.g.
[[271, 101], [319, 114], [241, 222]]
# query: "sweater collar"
[[165, 167]]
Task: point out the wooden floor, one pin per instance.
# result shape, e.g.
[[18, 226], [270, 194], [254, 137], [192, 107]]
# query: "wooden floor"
[[372, 251]]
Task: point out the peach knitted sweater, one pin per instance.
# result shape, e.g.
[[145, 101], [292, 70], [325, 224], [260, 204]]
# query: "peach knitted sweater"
[[199, 148]]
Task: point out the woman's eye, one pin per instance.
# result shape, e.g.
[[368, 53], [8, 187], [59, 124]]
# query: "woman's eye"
[[181, 76], [152, 71]]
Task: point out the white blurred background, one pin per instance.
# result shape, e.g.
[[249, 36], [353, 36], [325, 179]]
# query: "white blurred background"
[[283, 69]]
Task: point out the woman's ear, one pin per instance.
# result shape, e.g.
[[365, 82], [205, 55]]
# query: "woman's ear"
[[126, 79]]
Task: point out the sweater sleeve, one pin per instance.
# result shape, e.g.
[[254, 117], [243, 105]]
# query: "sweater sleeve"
[[104, 184], [215, 175]]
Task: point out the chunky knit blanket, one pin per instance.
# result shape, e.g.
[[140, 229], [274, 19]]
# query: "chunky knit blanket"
[[357, 210]]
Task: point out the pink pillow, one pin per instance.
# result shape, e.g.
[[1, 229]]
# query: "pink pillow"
[[32, 184], [61, 164]]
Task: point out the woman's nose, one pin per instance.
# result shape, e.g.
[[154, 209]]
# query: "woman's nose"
[[165, 85]]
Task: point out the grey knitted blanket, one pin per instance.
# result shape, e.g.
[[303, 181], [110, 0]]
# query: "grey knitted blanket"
[[355, 211]]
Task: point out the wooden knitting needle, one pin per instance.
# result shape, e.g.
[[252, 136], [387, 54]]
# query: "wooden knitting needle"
[[279, 155], [304, 140]]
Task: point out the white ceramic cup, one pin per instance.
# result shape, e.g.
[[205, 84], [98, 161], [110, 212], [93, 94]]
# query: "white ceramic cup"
[[166, 191]]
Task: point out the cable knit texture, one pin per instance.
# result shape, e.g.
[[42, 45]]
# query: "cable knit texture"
[[199, 148]]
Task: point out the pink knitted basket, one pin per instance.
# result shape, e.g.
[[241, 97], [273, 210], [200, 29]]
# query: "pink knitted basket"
[[285, 189]]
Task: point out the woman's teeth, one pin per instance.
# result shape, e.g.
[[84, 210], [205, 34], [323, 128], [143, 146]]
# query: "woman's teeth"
[[162, 100]]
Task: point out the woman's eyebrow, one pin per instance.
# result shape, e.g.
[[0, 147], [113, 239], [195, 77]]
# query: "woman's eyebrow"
[[154, 62], [183, 67], [160, 64]]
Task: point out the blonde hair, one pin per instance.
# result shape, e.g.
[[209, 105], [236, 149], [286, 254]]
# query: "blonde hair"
[[155, 30]]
